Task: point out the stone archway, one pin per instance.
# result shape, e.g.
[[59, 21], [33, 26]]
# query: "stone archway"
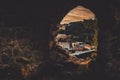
[[103, 50], [64, 56], [79, 27]]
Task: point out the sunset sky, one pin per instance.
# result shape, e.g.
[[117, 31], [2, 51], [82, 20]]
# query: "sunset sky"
[[78, 14]]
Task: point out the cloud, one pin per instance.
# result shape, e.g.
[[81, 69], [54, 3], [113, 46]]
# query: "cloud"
[[79, 13]]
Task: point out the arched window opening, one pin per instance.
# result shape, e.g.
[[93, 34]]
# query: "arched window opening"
[[77, 36]]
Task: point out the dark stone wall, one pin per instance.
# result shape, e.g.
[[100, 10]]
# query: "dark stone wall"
[[40, 15]]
